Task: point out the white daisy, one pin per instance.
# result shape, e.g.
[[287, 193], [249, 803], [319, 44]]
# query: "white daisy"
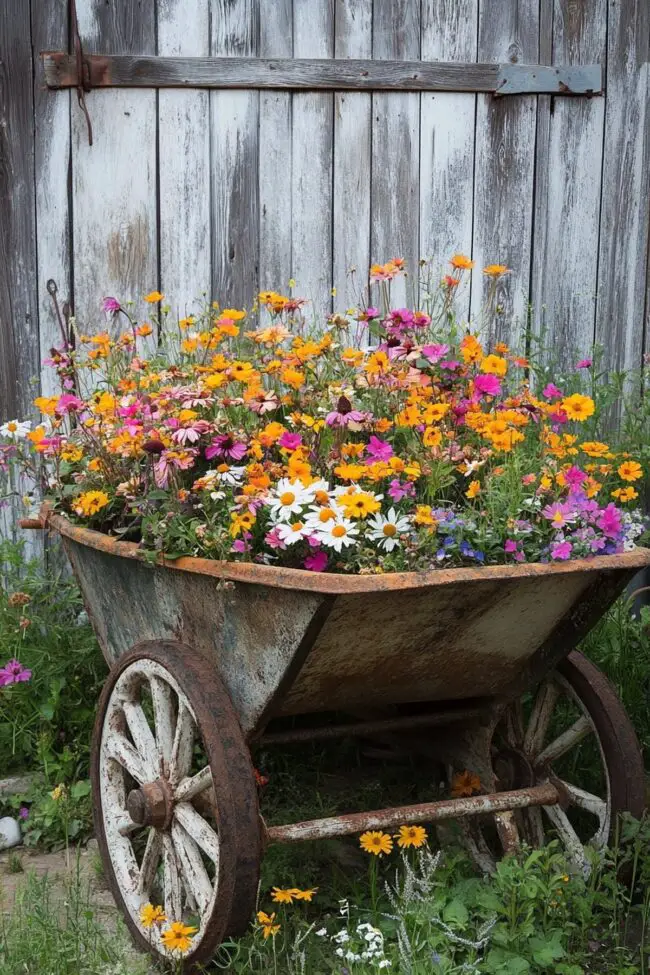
[[289, 498], [292, 532], [15, 429], [337, 533], [386, 529], [319, 517], [233, 476]]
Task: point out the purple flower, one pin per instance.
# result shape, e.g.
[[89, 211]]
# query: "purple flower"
[[23, 812], [225, 445], [242, 544], [551, 391], [397, 490], [609, 522], [290, 440], [110, 305], [561, 551], [434, 353], [14, 673], [584, 363], [487, 385], [317, 562], [450, 364], [379, 449]]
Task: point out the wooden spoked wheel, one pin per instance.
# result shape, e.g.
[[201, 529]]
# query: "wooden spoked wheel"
[[574, 729], [175, 801]]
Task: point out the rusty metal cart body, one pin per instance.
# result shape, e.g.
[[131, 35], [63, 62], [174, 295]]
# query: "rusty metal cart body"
[[212, 653]]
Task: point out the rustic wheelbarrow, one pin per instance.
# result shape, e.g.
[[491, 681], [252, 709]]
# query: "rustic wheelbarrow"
[[206, 656]]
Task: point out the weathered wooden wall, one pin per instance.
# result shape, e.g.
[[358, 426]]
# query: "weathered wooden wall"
[[226, 191]]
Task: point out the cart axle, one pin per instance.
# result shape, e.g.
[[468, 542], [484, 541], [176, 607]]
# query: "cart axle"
[[498, 802]]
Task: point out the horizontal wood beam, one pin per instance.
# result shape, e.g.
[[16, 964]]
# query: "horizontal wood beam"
[[125, 71]]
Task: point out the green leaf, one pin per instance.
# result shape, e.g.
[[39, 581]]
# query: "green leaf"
[[546, 951], [455, 913], [80, 789]]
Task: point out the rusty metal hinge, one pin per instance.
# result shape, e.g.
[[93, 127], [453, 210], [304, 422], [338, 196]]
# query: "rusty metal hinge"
[[83, 69]]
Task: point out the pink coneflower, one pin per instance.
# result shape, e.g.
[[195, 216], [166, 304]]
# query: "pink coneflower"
[[264, 402], [225, 445], [559, 514], [487, 385], [551, 391], [111, 306], [561, 551], [584, 363], [13, 672], [316, 562], [379, 449], [344, 415], [191, 433], [290, 441]]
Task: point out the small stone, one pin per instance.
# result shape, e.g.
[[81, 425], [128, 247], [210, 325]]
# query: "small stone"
[[92, 845], [9, 833]]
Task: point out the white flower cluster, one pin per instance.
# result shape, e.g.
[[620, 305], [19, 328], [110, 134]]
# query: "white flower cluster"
[[315, 512], [365, 945]]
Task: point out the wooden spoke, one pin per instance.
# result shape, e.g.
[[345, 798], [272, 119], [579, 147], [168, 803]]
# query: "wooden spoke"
[[141, 733], [568, 836], [200, 831], [181, 759], [539, 718], [171, 881], [150, 861], [192, 787], [566, 741], [163, 713], [123, 752], [195, 876], [585, 800]]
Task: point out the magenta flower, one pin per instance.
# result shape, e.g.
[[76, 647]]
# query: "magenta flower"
[[510, 546], [111, 306], [69, 403], [561, 551], [397, 490], [379, 449], [421, 319], [584, 363], [225, 445], [551, 391], [609, 522], [399, 319], [558, 417], [191, 433], [273, 540], [450, 364], [241, 545], [291, 441], [13, 672], [574, 476], [434, 353], [559, 514], [487, 385], [316, 562]]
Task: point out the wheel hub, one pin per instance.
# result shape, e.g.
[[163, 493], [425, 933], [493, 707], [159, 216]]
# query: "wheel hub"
[[152, 804]]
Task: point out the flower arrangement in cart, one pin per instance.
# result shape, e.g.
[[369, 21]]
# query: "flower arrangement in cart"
[[383, 439]]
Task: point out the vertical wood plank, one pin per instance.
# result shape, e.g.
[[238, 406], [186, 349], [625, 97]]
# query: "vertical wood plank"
[[19, 355], [626, 186], [352, 148], [565, 267], [395, 197], [52, 167], [184, 161], [503, 183], [276, 41], [234, 121], [447, 121], [311, 175], [115, 235]]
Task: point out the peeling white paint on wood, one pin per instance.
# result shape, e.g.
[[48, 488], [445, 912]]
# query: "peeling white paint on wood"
[[184, 163], [311, 174], [449, 33]]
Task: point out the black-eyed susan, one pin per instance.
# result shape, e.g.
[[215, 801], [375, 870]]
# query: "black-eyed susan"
[[415, 836], [376, 842], [178, 937]]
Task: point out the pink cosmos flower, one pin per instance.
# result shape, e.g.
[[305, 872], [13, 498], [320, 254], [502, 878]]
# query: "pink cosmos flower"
[[225, 445], [397, 490], [379, 449], [434, 353], [291, 441], [13, 672], [551, 391], [487, 385], [316, 562], [584, 363], [561, 551], [610, 521], [559, 513], [111, 306]]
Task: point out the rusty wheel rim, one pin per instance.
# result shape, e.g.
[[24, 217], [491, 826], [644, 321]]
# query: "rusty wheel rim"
[[592, 714], [176, 820]]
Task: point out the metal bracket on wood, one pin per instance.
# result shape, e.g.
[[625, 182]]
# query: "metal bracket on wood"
[[525, 79], [82, 67]]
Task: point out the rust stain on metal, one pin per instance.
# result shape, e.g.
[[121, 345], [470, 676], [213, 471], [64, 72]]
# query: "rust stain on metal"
[[498, 802]]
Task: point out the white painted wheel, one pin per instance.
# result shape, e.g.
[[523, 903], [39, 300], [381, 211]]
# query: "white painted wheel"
[[175, 800]]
